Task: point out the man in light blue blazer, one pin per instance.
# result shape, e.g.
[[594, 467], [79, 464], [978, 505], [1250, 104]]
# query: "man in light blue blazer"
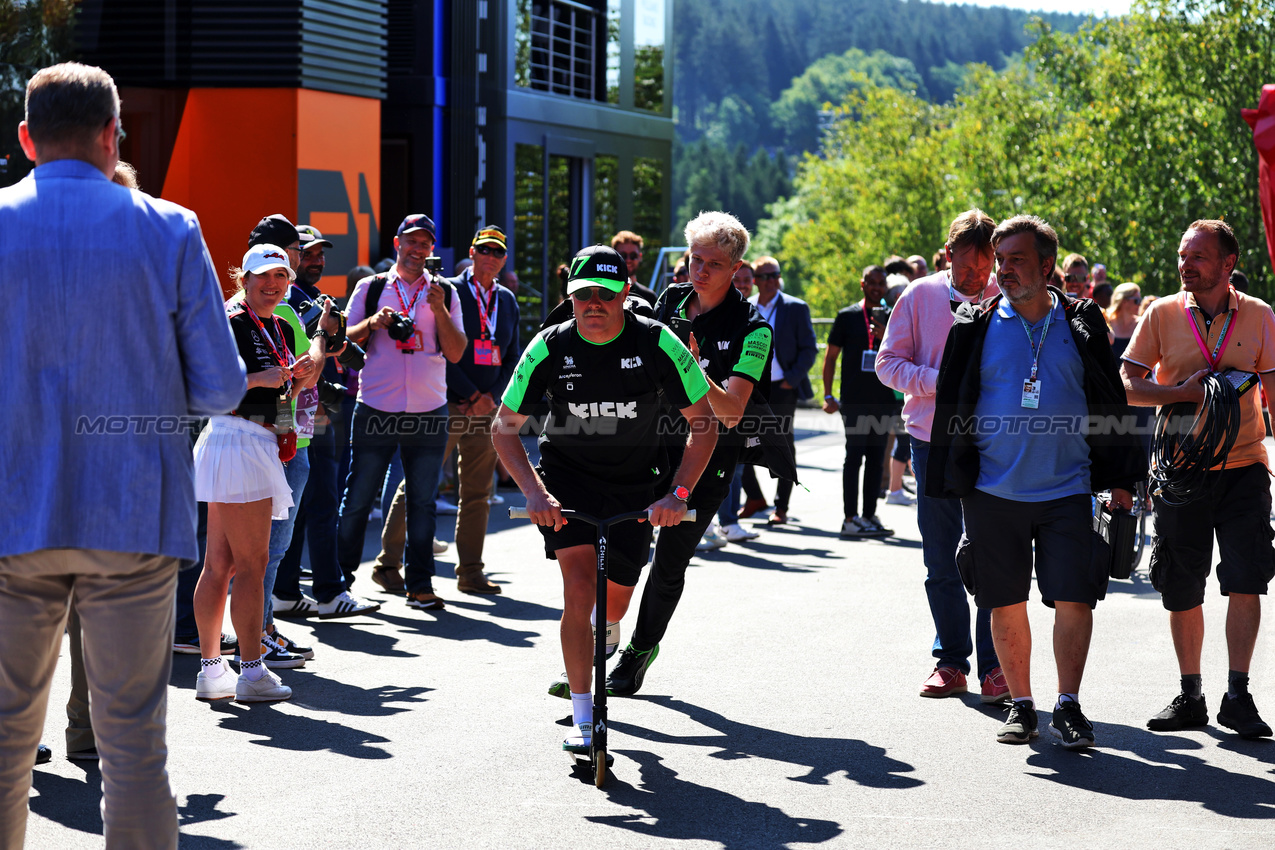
[[118, 340], [795, 352]]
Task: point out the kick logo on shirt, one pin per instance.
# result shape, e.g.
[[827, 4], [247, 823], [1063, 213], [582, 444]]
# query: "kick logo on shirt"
[[609, 409], [630, 362]]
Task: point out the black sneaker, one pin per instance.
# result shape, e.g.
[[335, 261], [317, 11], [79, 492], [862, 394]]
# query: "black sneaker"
[[190, 645], [1240, 714], [626, 679], [1070, 726], [1020, 726], [1183, 713]]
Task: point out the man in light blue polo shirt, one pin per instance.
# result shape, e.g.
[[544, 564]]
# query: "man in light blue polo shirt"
[[1014, 442]]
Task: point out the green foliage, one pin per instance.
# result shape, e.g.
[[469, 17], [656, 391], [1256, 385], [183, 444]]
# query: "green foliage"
[[1119, 135], [713, 177], [33, 34], [798, 111]]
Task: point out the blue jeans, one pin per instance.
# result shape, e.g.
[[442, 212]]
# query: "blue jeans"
[[940, 523], [420, 439], [316, 525], [297, 471], [728, 513]]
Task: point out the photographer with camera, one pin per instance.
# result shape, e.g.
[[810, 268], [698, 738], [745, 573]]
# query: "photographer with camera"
[[411, 321], [1209, 327], [316, 516]]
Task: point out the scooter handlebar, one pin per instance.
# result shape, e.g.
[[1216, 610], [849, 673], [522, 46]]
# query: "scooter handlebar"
[[521, 513]]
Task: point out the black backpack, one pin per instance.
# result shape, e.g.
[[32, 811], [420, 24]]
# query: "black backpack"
[[377, 286]]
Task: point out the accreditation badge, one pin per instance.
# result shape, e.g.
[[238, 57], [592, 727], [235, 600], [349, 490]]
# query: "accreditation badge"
[[1031, 394]]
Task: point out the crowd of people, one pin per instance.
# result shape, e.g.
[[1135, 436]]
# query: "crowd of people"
[[641, 402]]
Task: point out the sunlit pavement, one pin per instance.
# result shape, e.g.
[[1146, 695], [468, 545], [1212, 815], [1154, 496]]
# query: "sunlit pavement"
[[782, 711]]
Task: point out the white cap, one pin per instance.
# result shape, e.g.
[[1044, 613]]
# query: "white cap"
[[263, 258]]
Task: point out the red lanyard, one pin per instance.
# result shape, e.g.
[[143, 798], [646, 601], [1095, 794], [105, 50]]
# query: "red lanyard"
[[867, 324], [486, 326], [398, 288], [1225, 337], [284, 359]]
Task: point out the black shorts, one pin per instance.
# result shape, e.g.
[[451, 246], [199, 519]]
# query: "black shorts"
[[1237, 508], [995, 555], [628, 543]]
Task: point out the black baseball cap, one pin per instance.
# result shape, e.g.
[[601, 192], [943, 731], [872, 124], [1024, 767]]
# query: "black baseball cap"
[[597, 265], [274, 230], [310, 236], [417, 221]]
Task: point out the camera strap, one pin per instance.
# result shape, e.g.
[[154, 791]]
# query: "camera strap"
[[867, 324]]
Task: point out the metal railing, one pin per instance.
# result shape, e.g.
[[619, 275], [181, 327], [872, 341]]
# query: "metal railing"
[[564, 48]]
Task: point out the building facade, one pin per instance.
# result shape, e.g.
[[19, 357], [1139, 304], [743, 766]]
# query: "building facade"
[[551, 118]]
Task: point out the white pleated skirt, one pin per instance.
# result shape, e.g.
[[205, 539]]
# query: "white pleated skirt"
[[237, 461]]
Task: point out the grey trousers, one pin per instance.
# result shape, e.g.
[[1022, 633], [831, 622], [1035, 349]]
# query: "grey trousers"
[[125, 604]]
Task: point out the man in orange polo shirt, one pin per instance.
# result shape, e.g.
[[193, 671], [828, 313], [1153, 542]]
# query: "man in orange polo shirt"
[[1183, 337]]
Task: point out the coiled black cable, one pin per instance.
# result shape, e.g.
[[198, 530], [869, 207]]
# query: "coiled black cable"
[[1189, 441]]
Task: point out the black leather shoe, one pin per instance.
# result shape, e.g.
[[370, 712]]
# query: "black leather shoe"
[[43, 755], [1183, 713], [626, 679], [1240, 714]]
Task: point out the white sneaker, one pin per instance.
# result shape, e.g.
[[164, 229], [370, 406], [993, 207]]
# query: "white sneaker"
[[712, 539], [442, 507], [303, 607], [495, 499], [345, 605], [736, 533], [898, 497], [579, 740], [215, 683], [266, 689], [440, 546]]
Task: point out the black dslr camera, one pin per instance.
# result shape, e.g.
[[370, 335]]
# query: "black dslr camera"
[[400, 327], [433, 265]]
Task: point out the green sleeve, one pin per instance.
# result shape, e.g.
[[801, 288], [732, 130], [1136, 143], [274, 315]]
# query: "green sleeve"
[[692, 385], [528, 382], [752, 358]]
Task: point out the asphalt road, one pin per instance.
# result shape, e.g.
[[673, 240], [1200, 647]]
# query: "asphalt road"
[[782, 711]]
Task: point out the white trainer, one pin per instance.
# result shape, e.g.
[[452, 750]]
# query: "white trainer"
[[345, 605], [215, 683], [712, 539], [266, 689], [899, 497], [303, 607], [440, 546], [736, 533]]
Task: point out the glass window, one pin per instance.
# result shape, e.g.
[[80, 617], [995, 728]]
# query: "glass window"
[[613, 51], [648, 211], [564, 47], [528, 235], [648, 60], [606, 198]]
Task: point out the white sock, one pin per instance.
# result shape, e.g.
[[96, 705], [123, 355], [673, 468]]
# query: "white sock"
[[593, 617], [1027, 701], [214, 667], [253, 670], [1065, 698], [582, 708]]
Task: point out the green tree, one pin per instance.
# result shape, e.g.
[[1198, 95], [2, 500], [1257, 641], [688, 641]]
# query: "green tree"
[[33, 35]]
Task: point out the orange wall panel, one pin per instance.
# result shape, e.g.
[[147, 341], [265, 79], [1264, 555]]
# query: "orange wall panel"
[[234, 162]]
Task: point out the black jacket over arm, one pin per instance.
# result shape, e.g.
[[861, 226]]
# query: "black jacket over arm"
[[1117, 457]]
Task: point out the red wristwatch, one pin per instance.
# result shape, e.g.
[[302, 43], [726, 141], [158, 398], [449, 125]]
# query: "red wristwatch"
[[681, 494]]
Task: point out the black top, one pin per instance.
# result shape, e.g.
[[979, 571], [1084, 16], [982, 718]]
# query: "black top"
[[601, 430], [259, 403], [476, 370], [860, 387]]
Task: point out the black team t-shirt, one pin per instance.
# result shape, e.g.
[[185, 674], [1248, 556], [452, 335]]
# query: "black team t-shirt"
[[861, 389], [259, 404], [601, 431]]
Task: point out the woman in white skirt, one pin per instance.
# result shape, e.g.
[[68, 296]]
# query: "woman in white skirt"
[[239, 473]]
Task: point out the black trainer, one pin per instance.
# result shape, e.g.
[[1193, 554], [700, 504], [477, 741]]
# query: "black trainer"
[[1183, 713], [626, 679], [1070, 726], [1021, 725], [1239, 713]]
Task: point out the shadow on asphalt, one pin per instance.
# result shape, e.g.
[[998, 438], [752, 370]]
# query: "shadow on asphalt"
[[1175, 774], [448, 626], [1135, 586], [857, 760], [677, 809], [77, 805], [271, 728]]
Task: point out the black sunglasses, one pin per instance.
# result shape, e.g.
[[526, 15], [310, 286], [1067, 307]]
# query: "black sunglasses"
[[637, 255], [585, 295], [490, 250], [1076, 278], [766, 275]]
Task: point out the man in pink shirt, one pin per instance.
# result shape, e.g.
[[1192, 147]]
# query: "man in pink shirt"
[[909, 361], [409, 321]]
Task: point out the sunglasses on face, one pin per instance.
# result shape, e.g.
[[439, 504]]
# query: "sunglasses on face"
[[766, 275], [1076, 278], [489, 250], [585, 295], [636, 255]]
